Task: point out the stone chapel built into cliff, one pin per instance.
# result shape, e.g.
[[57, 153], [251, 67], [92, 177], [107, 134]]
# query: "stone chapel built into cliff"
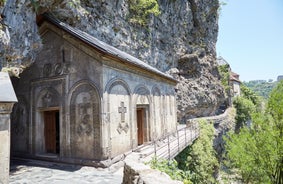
[[84, 101]]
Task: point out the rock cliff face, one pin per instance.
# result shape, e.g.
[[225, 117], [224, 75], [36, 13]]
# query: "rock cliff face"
[[180, 40]]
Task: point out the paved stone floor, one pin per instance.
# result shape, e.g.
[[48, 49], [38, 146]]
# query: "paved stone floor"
[[39, 172]]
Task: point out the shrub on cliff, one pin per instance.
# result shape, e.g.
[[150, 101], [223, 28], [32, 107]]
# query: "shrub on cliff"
[[257, 151]]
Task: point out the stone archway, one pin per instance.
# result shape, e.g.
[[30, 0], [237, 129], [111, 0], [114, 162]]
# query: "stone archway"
[[143, 106]]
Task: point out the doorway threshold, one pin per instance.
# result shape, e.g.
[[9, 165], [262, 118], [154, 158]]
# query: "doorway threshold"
[[47, 155]]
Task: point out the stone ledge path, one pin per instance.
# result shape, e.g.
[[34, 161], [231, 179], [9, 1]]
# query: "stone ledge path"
[[40, 172], [24, 171]]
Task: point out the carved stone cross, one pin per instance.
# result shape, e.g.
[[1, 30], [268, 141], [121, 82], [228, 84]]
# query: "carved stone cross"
[[84, 106], [122, 125], [122, 110]]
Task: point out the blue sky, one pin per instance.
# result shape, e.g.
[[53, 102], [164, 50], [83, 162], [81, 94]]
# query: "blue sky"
[[250, 38]]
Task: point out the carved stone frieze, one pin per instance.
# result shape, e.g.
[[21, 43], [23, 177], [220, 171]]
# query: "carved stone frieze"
[[56, 69], [6, 108]]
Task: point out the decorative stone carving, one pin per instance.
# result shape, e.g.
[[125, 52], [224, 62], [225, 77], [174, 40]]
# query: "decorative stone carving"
[[6, 108], [142, 95], [58, 68], [46, 99], [18, 120], [19, 126], [85, 122], [47, 70], [122, 125], [55, 69], [49, 98], [85, 126]]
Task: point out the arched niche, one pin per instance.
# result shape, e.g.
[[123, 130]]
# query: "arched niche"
[[119, 116], [158, 129], [85, 133], [48, 97], [142, 95], [20, 126]]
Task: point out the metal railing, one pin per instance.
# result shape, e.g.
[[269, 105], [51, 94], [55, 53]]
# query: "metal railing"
[[172, 144]]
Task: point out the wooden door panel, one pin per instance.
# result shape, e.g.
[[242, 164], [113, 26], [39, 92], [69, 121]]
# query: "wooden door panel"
[[50, 131], [140, 122]]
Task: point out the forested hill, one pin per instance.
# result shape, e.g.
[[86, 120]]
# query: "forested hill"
[[261, 87]]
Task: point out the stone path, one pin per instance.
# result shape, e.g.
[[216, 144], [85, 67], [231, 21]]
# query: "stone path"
[[39, 172], [34, 172]]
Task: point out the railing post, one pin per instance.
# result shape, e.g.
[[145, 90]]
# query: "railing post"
[[169, 157], [185, 129], [192, 131], [178, 141], [155, 149]]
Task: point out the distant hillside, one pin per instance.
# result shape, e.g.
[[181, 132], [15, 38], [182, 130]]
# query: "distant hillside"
[[261, 87]]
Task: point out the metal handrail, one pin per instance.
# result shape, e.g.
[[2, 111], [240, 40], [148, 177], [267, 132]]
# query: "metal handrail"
[[188, 134]]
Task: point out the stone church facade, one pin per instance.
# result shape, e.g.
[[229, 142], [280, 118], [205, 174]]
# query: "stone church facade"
[[84, 101]]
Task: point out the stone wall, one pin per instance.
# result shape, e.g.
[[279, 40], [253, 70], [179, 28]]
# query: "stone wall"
[[138, 173], [222, 124], [181, 39]]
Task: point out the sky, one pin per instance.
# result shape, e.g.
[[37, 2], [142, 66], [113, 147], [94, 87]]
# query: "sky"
[[250, 38]]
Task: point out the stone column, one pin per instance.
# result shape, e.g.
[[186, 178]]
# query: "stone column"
[[7, 100]]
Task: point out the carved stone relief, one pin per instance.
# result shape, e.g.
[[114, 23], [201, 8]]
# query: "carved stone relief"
[[49, 98], [142, 96], [120, 89], [55, 69], [122, 125], [85, 122], [19, 126]]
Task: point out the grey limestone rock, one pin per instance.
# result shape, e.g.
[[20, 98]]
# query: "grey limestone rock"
[[183, 37]]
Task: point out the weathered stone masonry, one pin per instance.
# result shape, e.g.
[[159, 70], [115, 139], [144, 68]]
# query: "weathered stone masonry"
[[84, 101]]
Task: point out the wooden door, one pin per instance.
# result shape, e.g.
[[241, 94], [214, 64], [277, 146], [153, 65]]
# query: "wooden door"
[[140, 125], [50, 131]]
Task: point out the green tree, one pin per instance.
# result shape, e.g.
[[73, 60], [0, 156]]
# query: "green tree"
[[245, 108], [201, 161], [224, 71], [197, 163], [257, 151], [170, 168], [141, 9], [250, 95], [275, 108], [261, 87]]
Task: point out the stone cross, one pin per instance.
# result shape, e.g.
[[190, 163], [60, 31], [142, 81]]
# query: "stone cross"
[[122, 110], [84, 106]]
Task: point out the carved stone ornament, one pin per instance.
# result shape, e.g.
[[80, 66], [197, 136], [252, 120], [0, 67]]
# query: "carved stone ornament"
[[47, 70], [6, 108], [122, 125], [58, 68]]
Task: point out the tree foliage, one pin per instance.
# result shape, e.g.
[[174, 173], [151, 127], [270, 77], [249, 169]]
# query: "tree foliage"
[[245, 108], [141, 9], [224, 71], [250, 95], [197, 163], [200, 160], [170, 168], [246, 104], [257, 151], [261, 87]]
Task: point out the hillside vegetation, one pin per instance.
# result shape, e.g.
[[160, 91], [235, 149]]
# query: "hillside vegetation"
[[261, 87]]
